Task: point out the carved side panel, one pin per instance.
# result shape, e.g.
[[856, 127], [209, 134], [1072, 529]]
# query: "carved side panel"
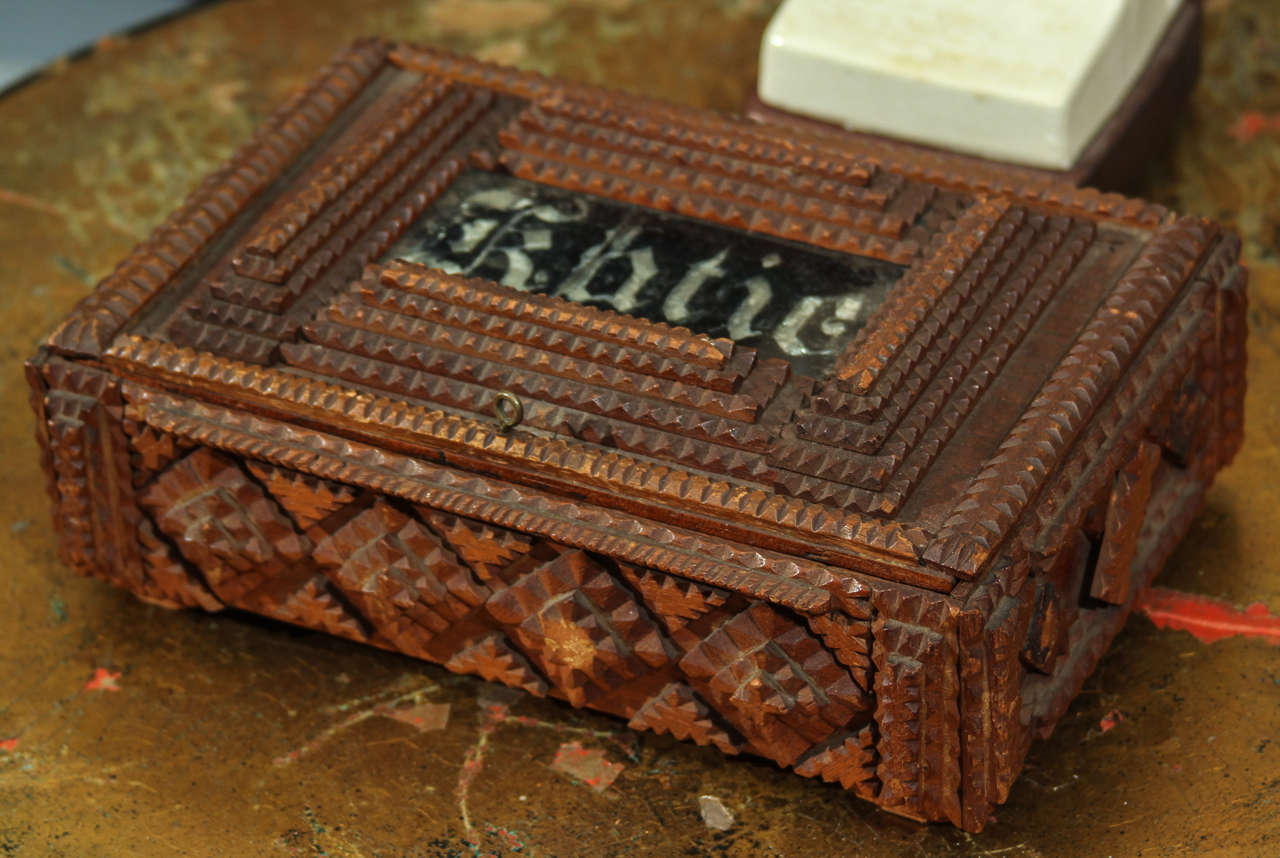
[[1125, 512], [87, 455], [90, 467], [990, 634], [721, 668], [917, 691]]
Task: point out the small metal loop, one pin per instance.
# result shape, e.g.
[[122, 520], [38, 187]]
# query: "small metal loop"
[[508, 410]]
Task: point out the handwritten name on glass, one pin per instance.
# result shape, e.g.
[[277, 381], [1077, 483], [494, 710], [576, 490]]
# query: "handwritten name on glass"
[[785, 299]]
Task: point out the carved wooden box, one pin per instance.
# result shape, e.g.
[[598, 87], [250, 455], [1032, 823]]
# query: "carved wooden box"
[[853, 460]]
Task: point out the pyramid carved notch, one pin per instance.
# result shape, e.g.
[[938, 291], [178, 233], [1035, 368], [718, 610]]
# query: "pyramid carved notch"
[[307, 499]]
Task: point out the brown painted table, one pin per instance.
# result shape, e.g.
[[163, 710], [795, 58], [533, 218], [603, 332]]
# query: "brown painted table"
[[129, 730]]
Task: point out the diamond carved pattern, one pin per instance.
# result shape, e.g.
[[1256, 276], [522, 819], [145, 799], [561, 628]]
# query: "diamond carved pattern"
[[407, 583], [673, 656], [580, 626], [700, 663], [776, 681], [223, 522]]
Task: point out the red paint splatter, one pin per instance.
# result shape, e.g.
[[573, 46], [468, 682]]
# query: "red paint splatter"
[[514, 843], [103, 680], [1111, 719], [10, 744], [1208, 619], [1252, 123], [587, 765]]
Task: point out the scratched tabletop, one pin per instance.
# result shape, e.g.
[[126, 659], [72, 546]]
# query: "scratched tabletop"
[[128, 730]]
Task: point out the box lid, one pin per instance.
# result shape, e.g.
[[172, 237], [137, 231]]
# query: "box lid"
[[891, 355]]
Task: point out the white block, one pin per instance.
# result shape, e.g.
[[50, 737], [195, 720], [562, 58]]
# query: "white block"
[[1028, 81]]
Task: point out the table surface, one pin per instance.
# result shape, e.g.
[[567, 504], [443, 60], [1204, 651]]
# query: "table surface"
[[126, 729]]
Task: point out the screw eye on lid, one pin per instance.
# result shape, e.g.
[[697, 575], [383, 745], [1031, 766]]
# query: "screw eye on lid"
[[508, 410]]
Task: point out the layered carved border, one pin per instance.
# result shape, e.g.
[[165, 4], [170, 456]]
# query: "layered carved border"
[[293, 127], [855, 542], [1013, 479]]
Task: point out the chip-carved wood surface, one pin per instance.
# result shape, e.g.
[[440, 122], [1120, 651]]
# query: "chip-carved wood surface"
[[876, 578]]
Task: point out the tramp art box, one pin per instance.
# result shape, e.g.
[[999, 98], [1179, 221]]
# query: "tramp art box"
[[854, 459]]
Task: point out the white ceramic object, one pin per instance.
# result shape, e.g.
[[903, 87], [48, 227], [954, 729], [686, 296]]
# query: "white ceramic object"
[[1027, 81]]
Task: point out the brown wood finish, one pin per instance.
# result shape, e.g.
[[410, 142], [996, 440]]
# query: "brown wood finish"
[[891, 577]]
